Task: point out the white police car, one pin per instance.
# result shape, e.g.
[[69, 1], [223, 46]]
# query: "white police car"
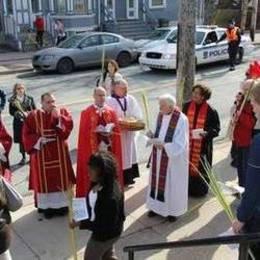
[[163, 56]]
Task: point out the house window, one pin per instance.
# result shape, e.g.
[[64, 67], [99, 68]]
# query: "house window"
[[36, 6], [82, 6], [60, 6], [157, 4]]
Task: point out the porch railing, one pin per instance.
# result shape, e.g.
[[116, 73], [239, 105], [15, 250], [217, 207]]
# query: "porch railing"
[[244, 242], [150, 18], [10, 25], [107, 15]]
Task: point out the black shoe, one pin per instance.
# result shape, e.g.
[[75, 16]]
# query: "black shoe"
[[171, 218], [40, 210], [232, 68], [62, 211], [22, 162], [151, 214], [48, 214]]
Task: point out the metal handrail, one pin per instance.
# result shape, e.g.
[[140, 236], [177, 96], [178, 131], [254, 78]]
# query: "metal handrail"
[[152, 18], [244, 242], [107, 17]]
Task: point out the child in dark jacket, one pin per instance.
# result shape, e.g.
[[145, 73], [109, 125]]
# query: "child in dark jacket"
[[105, 203]]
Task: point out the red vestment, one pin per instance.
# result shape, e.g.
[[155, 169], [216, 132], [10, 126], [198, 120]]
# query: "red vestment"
[[89, 141], [6, 141], [50, 167]]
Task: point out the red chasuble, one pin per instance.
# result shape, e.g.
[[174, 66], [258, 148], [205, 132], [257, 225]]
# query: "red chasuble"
[[89, 141], [51, 167], [6, 141]]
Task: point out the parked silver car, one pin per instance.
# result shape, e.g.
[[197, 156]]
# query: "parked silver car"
[[83, 50]]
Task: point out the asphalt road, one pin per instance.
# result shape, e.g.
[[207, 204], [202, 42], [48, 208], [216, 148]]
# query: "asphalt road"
[[75, 92]]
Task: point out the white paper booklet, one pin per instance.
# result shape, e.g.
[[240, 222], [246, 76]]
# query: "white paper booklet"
[[196, 133], [80, 211], [105, 129], [154, 141]]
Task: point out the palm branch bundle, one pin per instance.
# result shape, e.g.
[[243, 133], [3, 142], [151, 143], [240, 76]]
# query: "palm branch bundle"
[[73, 246], [215, 187], [146, 109], [18, 105]]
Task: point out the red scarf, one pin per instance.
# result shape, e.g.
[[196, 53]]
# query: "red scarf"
[[196, 144]]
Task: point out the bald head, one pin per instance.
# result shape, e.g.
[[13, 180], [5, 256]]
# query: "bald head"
[[99, 96]]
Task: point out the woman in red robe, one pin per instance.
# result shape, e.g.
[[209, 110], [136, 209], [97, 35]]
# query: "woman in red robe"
[[90, 141], [5, 147]]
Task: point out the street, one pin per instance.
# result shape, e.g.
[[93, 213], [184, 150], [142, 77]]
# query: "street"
[[75, 92]]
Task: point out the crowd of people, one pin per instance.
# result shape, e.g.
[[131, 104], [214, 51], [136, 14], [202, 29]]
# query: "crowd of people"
[[181, 144]]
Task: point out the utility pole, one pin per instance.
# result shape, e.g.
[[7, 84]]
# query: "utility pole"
[[244, 9], [186, 50], [253, 19]]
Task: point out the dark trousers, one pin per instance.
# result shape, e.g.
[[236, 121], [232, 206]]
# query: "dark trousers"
[[242, 159], [39, 38], [22, 151], [60, 39], [253, 226], [100, 250], [232, 52]]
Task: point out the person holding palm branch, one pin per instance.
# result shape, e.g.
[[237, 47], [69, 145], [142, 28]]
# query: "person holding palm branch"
[[20, 104]]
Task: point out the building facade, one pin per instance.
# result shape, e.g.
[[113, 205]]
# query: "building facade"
[[17, 16]]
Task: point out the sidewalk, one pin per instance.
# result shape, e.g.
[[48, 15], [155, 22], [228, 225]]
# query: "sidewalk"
[[37, 238], [15, 62]]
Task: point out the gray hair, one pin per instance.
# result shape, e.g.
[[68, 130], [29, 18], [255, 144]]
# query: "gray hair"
[[122, 82], [170, 99]]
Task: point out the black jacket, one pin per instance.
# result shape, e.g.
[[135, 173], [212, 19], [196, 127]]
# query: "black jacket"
[[2, 100], [5, 230], [27, 106], [109, 215]]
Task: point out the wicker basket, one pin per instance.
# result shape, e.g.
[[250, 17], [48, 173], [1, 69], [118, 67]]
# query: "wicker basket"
[[132, 125]]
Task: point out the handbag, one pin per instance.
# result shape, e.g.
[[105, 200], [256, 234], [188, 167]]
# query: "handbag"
[[14, 200]]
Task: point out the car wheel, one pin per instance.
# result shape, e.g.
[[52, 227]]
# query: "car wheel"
[[124, 59], [240, 55], [65, 66]]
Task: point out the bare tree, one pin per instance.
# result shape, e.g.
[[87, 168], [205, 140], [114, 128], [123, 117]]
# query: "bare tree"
[[210, 9], [253, 19], [244, 9], [186, 50]]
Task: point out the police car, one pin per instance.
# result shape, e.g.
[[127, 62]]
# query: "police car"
[[163, 56]]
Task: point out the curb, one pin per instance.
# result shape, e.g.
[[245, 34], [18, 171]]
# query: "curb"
[[16, 59], [8, 72]]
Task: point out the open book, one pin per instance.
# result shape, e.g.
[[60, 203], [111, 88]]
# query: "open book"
[[105, 129], [80, 211]]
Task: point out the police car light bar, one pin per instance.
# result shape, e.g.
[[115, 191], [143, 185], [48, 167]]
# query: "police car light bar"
[[212, 27]]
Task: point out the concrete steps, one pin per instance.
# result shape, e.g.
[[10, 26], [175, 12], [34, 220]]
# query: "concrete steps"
[[133, 29]]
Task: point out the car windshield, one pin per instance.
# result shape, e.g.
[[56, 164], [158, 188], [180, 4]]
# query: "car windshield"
[[199, 37], [158, 34], [173, 37], [72, 42]]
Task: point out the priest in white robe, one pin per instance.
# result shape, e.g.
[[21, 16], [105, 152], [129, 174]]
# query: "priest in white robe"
[[169, 166], [126, 106]]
